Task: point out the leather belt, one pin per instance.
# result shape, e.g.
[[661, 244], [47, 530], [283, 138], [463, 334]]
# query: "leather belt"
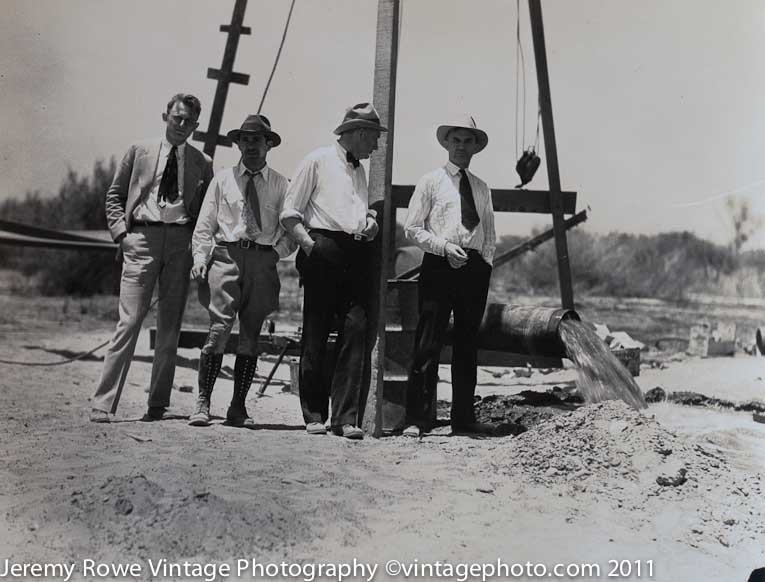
[[158, 223], [247, 244]]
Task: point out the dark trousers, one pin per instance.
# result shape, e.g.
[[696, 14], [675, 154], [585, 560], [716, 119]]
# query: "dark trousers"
[[443, 290], [335, 282]]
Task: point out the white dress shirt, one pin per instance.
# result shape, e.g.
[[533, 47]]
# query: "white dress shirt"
[[327, 192], [435, 214], [220, 218], [149, 209]]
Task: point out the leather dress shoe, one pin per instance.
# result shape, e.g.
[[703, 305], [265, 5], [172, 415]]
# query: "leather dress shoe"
[[412, 431], [199, 418], [99, 416], [349, 431], [154, 413], [316, 428], [239, 418]]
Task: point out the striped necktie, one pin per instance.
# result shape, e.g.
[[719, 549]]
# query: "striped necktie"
[[251, 211]]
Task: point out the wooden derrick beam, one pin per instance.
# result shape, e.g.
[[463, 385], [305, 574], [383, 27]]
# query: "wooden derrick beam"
[[380, 178], [551, 154], [225, 76]]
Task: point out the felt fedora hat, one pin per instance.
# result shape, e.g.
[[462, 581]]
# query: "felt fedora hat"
[[360, 115], [256, 124], [465, 123]]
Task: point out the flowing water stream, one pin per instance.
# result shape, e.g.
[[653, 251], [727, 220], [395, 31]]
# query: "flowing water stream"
[[601, 376]]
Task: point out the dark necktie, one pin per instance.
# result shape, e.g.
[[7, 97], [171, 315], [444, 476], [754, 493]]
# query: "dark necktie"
[[352, 159], [469, 214], [168, 186], [251, 212]]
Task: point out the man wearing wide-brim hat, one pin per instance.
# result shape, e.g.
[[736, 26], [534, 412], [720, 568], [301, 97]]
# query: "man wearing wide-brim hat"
[[327, 213], [236, 245], [451, 218]]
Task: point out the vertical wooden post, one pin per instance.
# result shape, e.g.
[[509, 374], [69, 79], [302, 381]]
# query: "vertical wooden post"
[[380, 178], [225, 76], [551, 153]]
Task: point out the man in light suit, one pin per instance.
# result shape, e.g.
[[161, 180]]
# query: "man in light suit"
[[151, 209]]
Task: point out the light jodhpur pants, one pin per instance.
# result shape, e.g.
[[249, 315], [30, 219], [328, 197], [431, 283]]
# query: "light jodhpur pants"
[[241, 282], [153, 254]]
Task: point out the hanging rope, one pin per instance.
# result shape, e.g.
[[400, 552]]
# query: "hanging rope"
[[278, 54], [68, 360], [520, 69], [400, 24], [719, 196]]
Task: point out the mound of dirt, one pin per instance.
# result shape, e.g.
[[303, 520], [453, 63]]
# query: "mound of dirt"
[[619, 456], [527, 408], [144, 519]]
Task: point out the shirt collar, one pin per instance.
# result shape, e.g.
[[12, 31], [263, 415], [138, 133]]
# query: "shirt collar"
[[166, 145], [241, 169], [343, 153], [453, 169]]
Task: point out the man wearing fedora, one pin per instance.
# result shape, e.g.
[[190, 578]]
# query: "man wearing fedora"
[[236, 245], [327, 213], [151, 208], [451, 218]]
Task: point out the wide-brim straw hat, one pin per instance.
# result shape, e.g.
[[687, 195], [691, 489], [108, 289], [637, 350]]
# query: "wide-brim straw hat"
[[360, 115], [256, 124], [467, 122]]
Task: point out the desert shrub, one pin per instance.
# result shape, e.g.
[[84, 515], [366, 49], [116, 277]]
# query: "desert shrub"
[[666, 265], [78, 205]]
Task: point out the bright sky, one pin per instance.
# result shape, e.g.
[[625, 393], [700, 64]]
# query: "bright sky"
[[658, 104]]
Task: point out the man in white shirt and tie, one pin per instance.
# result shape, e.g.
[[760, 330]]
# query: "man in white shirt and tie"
[[327, 213], [451, 218], [236, 245]]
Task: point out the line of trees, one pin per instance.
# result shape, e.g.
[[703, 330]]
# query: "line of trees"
[[667, 266], [78, 205]]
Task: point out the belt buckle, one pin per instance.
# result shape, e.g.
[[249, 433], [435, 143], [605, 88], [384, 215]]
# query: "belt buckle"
[[244, 243], [359, 237]]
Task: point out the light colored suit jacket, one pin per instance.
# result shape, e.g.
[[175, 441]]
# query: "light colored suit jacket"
[[134, 177]]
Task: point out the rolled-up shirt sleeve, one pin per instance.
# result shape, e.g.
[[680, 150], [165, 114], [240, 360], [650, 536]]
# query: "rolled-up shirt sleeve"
[[202, 241], [420, 205], [299, 192]]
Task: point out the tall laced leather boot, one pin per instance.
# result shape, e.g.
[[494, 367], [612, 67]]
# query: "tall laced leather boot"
[[209, 367], [244, 372]]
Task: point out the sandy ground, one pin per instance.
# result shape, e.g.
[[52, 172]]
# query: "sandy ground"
[[580, 488]]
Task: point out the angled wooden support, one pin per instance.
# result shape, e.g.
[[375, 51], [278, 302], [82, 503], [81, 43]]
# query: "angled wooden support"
[[534, 242], [225, 76]]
